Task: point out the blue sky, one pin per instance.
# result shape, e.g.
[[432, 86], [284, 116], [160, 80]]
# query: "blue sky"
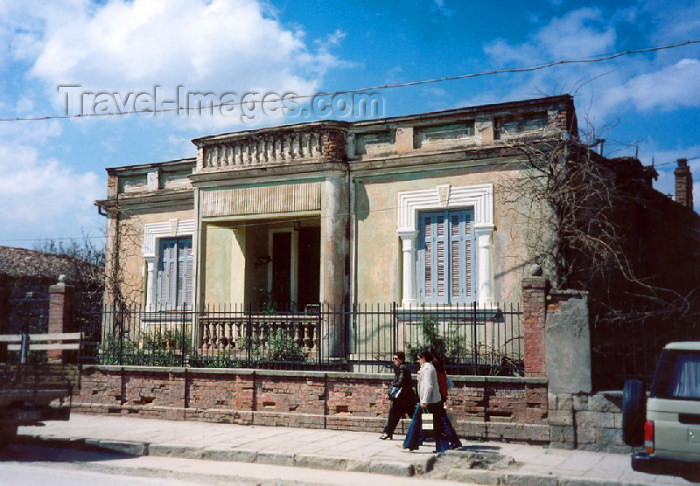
[[51, 171]]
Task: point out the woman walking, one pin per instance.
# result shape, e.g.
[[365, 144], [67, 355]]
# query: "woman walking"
[[403, 403], [430, 401], [448, 429]]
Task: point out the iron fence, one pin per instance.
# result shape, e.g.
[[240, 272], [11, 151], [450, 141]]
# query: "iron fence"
[[628, 346], [29, 314], [363, 338]]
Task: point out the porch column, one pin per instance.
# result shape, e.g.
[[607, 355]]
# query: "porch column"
[[408, 250], [150, 284], [483, 283], [335, 217]]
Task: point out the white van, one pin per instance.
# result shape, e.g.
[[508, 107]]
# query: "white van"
[[667, 423]]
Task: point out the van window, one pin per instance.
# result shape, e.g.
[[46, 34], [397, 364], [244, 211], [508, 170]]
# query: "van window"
[[677, 376]]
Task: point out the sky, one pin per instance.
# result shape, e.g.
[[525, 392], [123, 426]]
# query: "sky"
[[102, 59]]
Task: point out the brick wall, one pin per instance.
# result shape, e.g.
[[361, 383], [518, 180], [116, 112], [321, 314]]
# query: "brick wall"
[[334, 145], [494, 408], [534, 319]]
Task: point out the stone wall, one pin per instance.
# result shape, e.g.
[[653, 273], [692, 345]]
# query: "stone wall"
[[489, 408], [587, 421]]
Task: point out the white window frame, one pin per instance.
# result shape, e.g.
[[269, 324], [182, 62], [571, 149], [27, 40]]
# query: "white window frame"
[[479, 198], [153, 233]]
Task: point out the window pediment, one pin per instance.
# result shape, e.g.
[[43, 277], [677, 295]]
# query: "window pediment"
[[479, 197]]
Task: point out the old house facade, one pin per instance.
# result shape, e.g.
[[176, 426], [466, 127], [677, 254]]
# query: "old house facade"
[[401, 209]]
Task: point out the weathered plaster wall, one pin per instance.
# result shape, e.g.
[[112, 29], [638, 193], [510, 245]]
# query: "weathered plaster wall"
[[131, 261], [378, 245], [217, 273]]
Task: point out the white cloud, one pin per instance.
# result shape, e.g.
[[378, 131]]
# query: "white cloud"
[[36, 193], [217, 45], [645, 83], [440, 7], [129, 45], [582, 32], [121, 46], [668, 88], [579, 33]]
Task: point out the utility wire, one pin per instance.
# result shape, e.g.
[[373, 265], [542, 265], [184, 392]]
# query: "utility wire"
[[371, 88]]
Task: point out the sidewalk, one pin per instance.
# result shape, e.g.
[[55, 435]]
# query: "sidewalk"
[[476, 462]]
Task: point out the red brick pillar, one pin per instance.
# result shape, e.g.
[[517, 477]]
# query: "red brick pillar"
[[534, 315], [60, 298], [684, 184]]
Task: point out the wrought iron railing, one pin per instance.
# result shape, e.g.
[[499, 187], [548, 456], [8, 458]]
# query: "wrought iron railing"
[[470, 339]]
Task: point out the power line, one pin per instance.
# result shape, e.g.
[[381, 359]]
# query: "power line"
[[538, 67], [675, 161]]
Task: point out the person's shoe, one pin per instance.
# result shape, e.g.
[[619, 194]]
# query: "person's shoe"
[[458, 445], [385, 437]]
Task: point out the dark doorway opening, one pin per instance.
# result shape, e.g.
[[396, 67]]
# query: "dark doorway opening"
[[281, 271], [309, 278]]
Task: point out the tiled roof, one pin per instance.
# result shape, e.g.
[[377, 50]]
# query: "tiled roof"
[[23, 263]]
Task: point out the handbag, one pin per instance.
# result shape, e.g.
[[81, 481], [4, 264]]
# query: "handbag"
[[427, 424], [395, 392]]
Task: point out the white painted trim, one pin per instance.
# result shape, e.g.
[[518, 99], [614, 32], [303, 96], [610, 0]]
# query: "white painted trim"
[[152, 232], [480, 199], [170, 229]]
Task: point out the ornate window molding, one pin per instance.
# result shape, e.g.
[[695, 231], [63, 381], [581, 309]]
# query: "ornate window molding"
[[477, 197], [151, 234], [169, 229]]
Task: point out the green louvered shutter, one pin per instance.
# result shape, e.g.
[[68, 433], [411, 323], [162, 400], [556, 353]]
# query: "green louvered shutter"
[[445, 257]]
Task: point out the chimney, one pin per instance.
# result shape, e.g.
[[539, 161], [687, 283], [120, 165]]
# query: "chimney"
[[684, 184]]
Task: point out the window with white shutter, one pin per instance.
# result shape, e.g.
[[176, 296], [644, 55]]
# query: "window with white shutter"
[[175, 273], [445, 263]]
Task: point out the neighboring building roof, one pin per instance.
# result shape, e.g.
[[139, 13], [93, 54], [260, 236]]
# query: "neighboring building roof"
[[23, 263]]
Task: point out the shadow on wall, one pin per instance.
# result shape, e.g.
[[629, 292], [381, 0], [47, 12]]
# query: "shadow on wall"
[[361, 201]]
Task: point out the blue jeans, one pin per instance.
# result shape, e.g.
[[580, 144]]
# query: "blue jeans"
[[450, 434], [413, 440]]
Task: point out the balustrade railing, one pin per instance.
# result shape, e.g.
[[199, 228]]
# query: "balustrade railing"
[[277, 148], [235, 334]]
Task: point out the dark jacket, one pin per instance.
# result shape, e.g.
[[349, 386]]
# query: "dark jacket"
[[402, 378]]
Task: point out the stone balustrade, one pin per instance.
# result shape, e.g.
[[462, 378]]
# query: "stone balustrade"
[[233, 334], [271, 148]]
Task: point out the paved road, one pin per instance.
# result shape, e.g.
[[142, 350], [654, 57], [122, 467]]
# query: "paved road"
[[32, 465]]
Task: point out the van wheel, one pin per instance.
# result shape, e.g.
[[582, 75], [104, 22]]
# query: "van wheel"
[[634, 407]]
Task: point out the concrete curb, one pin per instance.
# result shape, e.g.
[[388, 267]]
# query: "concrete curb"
[[418, 467], [391, 468]]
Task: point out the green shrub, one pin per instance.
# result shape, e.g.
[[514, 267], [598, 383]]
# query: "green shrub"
[[274, 346]]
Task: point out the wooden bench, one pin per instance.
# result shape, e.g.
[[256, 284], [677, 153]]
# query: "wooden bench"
[[69, 341]]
